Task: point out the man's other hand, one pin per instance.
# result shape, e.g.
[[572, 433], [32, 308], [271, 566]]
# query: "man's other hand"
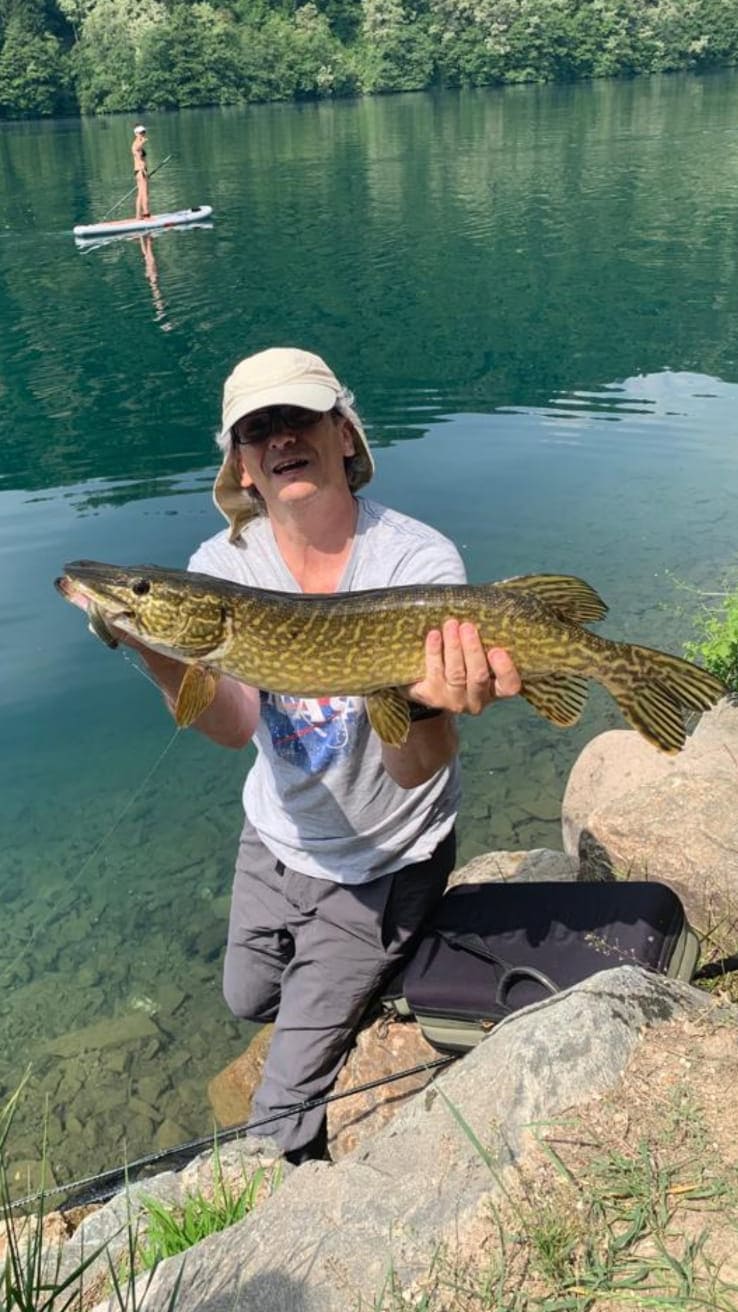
[[460, 676]]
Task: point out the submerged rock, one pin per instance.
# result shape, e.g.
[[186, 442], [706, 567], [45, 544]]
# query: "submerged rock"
[[111, 1032]]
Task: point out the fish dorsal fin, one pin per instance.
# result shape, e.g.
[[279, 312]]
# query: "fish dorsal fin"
[[570, 596], [389, 715], [196, 691], [557, 697]]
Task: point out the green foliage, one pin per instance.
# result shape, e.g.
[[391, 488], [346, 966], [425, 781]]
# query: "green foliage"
[[108, 56], [396, 51], [484, 41], [191, 58], [32, 15], [344, 17], [75, 12], [173, 1230], [294, 58], [717, 645], [134, 54], [34, 74]]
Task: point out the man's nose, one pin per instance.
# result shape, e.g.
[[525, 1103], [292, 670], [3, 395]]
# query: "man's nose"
[[282, 436]]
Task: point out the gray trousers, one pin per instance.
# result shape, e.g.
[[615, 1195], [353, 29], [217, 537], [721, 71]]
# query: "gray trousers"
[[310, 955]]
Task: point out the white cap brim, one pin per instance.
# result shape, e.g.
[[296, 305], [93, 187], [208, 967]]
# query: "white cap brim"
[[312, 396]]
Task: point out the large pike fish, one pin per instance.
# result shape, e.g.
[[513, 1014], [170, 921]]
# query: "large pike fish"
[[372, 643]]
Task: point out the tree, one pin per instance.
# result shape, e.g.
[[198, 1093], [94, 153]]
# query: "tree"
[[283, 58], [191, 58], [396, 51], [76, 12], [108, 55], [33, 73]]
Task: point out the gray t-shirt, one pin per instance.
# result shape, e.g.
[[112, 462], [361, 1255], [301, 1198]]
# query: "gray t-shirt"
[[318, 794]]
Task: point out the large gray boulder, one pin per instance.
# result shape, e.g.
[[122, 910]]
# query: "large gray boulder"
[[330, 1238], [630, 811]]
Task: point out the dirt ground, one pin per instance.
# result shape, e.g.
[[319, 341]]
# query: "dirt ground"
[[627, 1205]]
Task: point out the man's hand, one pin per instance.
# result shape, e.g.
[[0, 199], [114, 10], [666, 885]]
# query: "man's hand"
[[460, 676]]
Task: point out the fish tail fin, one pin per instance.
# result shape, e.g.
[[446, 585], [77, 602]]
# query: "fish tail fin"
[[654, 690]]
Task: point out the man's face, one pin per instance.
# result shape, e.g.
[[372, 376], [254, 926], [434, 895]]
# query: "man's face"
[[289, 454]]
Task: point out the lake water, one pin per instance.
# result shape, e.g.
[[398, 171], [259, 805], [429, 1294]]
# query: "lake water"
[[534, 295]]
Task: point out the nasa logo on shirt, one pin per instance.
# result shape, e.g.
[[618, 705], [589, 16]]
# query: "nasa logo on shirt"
[[311, 732]]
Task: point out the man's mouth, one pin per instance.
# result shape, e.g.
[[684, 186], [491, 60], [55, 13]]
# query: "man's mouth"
[[290, 466]]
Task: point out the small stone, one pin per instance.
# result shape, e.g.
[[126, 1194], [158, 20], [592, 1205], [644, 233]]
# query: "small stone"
[[169, 998], [109, 1033], [170, 1135]]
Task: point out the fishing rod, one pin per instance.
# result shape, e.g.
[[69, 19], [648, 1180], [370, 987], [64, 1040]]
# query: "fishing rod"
[[107, 1183], [133, 188]]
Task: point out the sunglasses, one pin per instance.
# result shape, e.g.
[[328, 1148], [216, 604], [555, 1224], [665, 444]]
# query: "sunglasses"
[[258, 427]]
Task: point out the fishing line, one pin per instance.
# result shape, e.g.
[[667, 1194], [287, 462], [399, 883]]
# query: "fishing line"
[[140, 669], [8, 969], [112, 1180]]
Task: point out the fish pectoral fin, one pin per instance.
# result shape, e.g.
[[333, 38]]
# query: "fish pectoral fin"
[[97, 624], [196, 691], [389, 715], [558, 697], [570, 596]]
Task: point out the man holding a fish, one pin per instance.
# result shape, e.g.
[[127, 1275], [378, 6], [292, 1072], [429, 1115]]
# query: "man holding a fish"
[[305, 627], [348, 841]]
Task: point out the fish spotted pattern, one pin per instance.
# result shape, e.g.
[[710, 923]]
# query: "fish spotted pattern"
[[372, 643]]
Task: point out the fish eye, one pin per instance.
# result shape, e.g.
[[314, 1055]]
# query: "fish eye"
[[141, 587]]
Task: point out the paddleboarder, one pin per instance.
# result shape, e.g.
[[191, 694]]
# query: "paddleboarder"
[[141, 172]]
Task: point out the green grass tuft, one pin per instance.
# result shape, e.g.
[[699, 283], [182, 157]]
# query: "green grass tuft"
[[174, 1229], [716, 646], [30, 1271]]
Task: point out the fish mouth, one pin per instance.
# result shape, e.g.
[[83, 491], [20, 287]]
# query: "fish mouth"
[[64, 586], [93, 582], [112, 609]]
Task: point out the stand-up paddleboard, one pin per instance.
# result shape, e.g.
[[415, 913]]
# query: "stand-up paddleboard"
[[115, 238], [112, 227]]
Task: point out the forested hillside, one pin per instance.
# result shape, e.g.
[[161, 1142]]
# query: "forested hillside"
[[98, 56]]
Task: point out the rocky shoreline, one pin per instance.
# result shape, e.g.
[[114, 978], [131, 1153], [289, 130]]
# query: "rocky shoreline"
[[405, 1178]]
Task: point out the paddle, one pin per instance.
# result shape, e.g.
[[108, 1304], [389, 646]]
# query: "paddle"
[[133, 188]]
